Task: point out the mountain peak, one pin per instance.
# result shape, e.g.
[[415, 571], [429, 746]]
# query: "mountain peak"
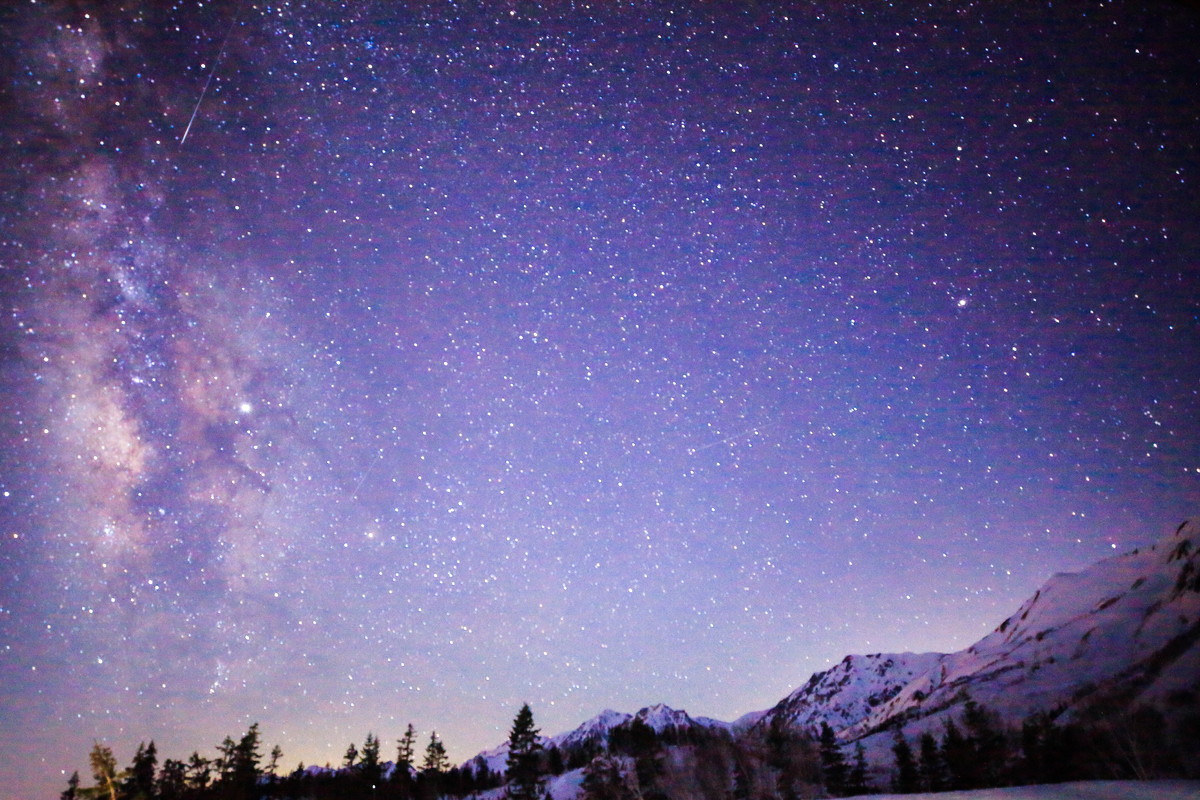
[[1131, 620], [848, 691], [1127, 624], [662, 717]]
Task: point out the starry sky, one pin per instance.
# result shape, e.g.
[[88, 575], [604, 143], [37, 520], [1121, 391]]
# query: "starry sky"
[[587, 355]]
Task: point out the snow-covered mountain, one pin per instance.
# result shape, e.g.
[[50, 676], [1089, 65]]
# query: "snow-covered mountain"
[[1126, 628], [1129, 624], [594, 734], [664, 719], [849, 692]]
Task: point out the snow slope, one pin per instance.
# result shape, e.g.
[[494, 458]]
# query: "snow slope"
[[1130, 624], [595, 732], [1084, 790], [849, 692]]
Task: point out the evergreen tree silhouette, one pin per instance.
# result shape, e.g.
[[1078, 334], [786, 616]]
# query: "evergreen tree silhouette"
[[139, 782], [172, 780], [433, 768], [435, 755], [833, 763], [958, 757], [907, 779], [199, 773], [524, 751], [856, 780], [402, 778], [930, 766], [369, 765], [603, 779], [72, 790]]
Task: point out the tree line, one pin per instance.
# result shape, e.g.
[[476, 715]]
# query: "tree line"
[[239, 772], [1107, 742], [770, 761]]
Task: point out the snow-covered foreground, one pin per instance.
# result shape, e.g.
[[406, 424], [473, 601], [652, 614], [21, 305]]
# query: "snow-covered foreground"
[[567, 787], [1084, 790]]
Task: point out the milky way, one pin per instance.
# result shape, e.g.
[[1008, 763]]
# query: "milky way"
[[584, 356]]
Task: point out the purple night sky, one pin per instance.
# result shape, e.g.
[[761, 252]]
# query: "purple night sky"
[[590, 355]]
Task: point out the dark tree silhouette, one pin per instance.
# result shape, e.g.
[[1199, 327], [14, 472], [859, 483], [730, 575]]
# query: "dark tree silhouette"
[[370, 768], [72, 790], [603, 780], [435, 755], [833, 763], [172, 780], [856, 780], [524, 751], [906, 779], [930, 767], [139, 782]]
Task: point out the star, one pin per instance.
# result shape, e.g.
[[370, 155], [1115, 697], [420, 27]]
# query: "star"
[[587, 333]]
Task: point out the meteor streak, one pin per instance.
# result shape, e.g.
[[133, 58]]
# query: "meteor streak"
[[211, 72]]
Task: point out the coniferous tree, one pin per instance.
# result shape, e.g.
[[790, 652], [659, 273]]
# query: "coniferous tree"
[[907, 779], [433, 769], [1033, 768], [271, 770], [246, 761], [351, 757], [238, 766], [833, 763], [273, 764], [603, 779], [435, 755], [369, 765], [556, 764], [524, 752], [986, 747], [404, 752], [402, 777], [647, 766], [959, 758], [199, 772], [223, 763], [172, 780], [777, 742], [930, 767], [104, 770], [782, 747], [1051, 753], [72, 790], [139, 780], [856, 780]]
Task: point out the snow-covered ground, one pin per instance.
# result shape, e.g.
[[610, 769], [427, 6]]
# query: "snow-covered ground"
[[1084, 790]]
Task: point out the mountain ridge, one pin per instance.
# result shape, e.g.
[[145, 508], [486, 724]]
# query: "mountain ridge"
[[1126, 625]]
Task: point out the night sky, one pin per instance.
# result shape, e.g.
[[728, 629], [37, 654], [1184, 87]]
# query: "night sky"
[[469, 354]]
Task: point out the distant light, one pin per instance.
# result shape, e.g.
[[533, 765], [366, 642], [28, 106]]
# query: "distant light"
[[245, 407], [962, 302]]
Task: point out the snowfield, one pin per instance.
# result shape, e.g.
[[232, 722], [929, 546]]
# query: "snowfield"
[[567, 787], [1084, 790]]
